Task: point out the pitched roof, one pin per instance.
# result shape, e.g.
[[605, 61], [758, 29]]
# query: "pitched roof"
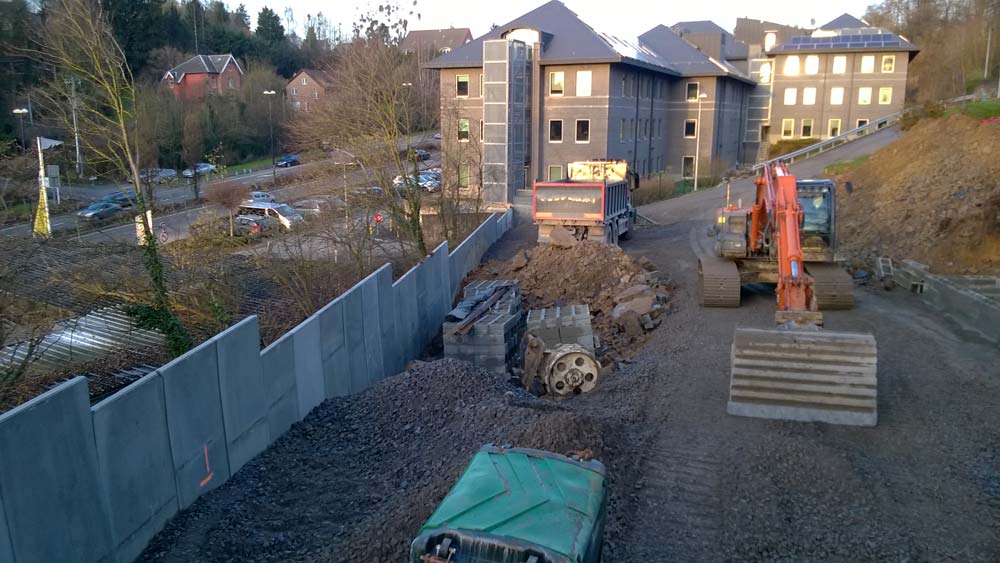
[[868, 39], [844, 21], [684, 57], [322, 77], [437, 39], [202, 64], [700, 26], [730, 47], [565, 39]]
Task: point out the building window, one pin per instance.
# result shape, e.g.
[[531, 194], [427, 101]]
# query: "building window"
[[770, 38], [583, 130], [787, 128], [868, 64], [480, 85], [836, 96], [555, 130], [840, 64], [693, 91], [862, 122], [463, 130], [864, 96], [808, 96], [583, 79], [464, 173], [792, 65], [622, 132], [807, 128], [482, 131], [304, 81], [765, 73], [631, 129], [659, 128], [315, 95], [295, 91], [834, 128], [556, 83], [889, 63], [232, 84], [812, 64], [884, 96], [624, 87], [687, 166], [407, 51], [555, 172], [462, 85], [691, 129], [790, 96], [445, 50]]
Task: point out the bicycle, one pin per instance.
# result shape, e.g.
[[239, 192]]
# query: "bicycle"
[[163, 234]]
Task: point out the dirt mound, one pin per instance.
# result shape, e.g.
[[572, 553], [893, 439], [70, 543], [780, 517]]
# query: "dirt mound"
[[588, 272], [932, 196], [361, 474]]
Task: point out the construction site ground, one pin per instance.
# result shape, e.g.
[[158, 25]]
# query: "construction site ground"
[[688, 482]]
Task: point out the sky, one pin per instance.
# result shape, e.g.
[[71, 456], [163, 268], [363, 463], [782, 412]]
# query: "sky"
[[628, 18]]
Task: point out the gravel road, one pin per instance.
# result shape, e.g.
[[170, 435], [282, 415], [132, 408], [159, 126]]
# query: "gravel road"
[[687, 481]]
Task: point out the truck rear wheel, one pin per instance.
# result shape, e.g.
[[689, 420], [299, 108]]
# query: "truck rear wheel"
[[629, 228]]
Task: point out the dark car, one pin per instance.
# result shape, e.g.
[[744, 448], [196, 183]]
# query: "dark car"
[[118, 198], [252, 226], [287, 161], [421, 154], [100, 211]]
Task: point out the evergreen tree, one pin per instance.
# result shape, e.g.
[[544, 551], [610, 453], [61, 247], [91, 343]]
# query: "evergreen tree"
[[269, 28], [137, 25]]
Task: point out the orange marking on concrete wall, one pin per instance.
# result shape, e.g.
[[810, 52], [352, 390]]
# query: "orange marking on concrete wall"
[[208, 468]]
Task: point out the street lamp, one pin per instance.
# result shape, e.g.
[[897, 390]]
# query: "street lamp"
[[20, 113], [697, 140], [270, 121]]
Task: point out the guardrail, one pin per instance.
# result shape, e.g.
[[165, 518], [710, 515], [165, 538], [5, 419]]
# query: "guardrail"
[[827, 144]]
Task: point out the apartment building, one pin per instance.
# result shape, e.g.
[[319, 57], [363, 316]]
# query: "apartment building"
[[546, 89], [837, 78]]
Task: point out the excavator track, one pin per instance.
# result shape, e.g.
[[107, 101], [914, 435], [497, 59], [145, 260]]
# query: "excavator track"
[[814, 376], [833, 287], [720, 282]]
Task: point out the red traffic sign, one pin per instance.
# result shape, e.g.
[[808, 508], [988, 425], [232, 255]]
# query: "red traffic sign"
[[378, 218]]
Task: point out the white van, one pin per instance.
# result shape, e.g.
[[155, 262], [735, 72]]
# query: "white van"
[[280, 212]]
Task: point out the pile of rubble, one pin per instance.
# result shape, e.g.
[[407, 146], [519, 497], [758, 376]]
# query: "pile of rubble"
[[626, 296]]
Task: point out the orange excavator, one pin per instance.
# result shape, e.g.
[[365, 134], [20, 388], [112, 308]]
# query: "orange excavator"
[[797, 371]]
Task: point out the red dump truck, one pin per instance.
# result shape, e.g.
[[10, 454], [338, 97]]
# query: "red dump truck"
[[595, 202]]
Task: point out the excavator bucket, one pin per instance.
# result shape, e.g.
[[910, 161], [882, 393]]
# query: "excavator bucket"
[[804, 375]]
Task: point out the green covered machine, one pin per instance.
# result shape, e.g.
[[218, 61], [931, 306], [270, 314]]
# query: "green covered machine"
[[517, 505]]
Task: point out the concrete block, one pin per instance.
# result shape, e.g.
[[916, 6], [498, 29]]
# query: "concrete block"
[[277, 363], [354, 326], [310, 386], [194, 420], [392, 354], [137, 473], [53, 501], [241, 386], [333, 349], [372, 329]]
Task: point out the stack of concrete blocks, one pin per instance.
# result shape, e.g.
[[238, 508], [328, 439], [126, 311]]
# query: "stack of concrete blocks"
[[493, 341], [569, 324]]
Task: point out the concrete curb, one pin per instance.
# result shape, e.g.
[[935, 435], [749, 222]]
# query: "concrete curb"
[[968, 308]]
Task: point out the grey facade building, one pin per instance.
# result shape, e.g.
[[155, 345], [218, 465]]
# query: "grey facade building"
[[587, 95]]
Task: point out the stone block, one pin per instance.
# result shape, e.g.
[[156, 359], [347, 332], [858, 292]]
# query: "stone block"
[[50, 487], [137, 473], [195, 422], [241, 386]]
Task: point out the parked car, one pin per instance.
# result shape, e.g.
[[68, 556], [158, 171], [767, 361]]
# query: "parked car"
[[287, 161], [100, 211], [202, 169], [120, 199], [280, 212], [312, 208], [260, 197], [252, 225], [437, 135], [166, 175], [421, 154]]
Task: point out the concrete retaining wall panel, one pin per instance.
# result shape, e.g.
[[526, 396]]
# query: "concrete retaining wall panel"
[[6, 548], [194, 420], [333, 347], [53, 499], [277, 362], [241, 385], [392, 355], [440, 286], [308, 365], [373, 329], [133, 453], [407, 322], [354, 327]]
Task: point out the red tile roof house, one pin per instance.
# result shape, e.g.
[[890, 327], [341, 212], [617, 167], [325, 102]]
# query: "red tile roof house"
[[203, 75]]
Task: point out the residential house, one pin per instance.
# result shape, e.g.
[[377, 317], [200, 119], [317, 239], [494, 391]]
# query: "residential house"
[[435, 41], [546, 89], [307, 88], [204, 75], [835, 79]]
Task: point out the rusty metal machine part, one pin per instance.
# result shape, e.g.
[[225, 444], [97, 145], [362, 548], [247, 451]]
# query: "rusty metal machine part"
[[570, 369]]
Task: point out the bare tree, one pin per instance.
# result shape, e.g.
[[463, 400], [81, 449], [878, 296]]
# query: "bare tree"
[[78, 43], [227, 196]]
